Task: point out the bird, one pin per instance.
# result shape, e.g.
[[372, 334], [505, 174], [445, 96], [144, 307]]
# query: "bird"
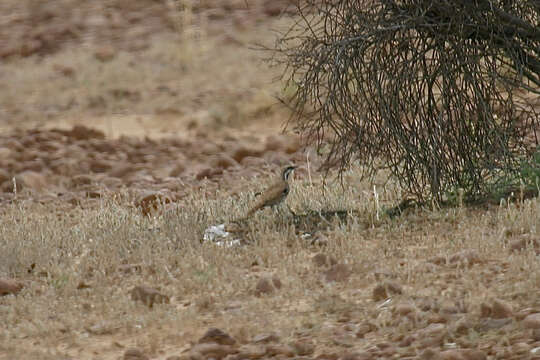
[[275, 194]]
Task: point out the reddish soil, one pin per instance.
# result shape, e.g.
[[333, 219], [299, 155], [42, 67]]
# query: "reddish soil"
[[65, 159], [81, 162]]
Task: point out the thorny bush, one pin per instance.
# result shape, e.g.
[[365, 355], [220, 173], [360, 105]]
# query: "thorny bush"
[[438, 92]]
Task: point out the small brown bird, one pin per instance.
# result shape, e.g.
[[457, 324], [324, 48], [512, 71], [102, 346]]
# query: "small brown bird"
[[275, 194]]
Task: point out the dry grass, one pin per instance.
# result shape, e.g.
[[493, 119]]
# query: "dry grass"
[[76, 302], [119, 87], [205, 75], [213, 286]]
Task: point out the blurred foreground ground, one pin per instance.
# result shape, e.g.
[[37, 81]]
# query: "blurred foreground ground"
[[137, 72]]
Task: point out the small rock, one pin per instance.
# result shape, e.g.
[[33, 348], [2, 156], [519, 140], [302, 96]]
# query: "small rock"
[[130, 268], [216, 14], [303, 347], [532, 321], [385, 290], [343, 340], [364, 328], [264, 286], [430, 341], [83, 285], [177, 169], [5, 153], [407, 341], [251, 352], [491, 324], [462, 326], [242, 152], [521, 348], [4, 176], [427, 304], [535, 335], [213, 350], [65, 70], [433, 329], [437, 260], [427, 268], [276, 350], [96, 102], [431, 336], [485, 310], [473, 354], [293, 145], [205, 303], [32, 180], [101, 329], [452, 354], [434, 318], [222, 161], [387, 352], [383, 345], [8, 286], [105, 53], [272, 9], [321, 240], [81, 180], [501, 309], [218, 336], [266, 338], [449, 309], [207, 172], [430, 354], [134, 354], [93, 194], [465, 258], [382, 274], [404, 309], [522, 244], [274, 143], [148, 296], [327, 356], [275, 157], [99, 166], [152, 201], [277, 282], [207, 148], [522, 314], [234, 228], [337, 273], [320, 260], [81, 132], [251, 162], [361, 355]]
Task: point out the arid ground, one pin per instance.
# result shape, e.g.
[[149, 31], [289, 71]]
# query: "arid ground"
[[129, 128]]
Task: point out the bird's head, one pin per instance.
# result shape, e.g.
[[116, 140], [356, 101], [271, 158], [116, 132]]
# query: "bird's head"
[[287, 172]]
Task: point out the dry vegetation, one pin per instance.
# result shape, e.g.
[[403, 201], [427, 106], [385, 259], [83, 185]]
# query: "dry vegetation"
[[92, 276], [465, 278]]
